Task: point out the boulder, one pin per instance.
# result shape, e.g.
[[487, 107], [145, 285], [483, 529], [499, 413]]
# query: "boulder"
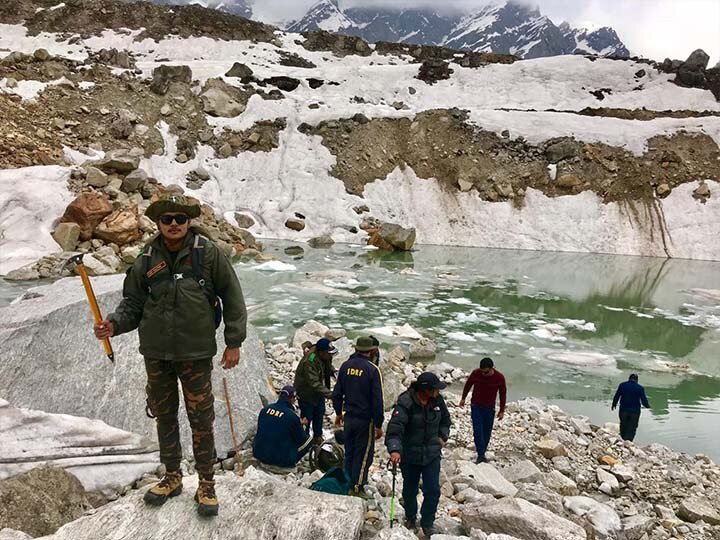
[[390, 236], [95, 177], [121, 227], [286, 84], [636, 526], [134, 181], [12, 534], [244, 221], [102, 262], [541, 496], [521, 519], [698, 508], [663, 190], [118, 161], [604, 477], [164, 75], [67, 235], [423, 348], [624, 473], [323, 241], [217, 102], [568, 181], [40, 501], [58, 314], [523, 472], [603, 518], [485, 478], [550, 448], [560, 483], [241, 71], [256, 506], [563, 149], [88, 210], [104, 459], [698, 59], [295, 224]]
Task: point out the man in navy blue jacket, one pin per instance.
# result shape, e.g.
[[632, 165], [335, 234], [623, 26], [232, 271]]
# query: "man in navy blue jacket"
[[631, 396], [281, 438], [358, 403]]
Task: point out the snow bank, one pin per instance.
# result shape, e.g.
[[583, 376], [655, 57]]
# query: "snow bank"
[[31, 200]]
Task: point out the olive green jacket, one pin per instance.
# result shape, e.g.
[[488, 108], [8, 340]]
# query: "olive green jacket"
[[173, 316], [310, 378]]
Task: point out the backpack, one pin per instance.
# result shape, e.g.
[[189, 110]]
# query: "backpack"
[[327, 455], [196, 258], [335, 481]]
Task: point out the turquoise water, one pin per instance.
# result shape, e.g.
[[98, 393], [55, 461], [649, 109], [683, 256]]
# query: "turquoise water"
[[564, 327]]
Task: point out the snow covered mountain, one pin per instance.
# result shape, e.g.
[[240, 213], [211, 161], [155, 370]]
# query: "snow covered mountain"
[[236, 7], [499, 27]]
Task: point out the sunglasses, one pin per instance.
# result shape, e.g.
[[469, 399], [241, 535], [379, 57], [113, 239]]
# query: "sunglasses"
[[180, 219]]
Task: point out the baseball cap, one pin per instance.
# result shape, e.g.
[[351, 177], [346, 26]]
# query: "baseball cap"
[[288, 391], [429, 380], [325, 344]]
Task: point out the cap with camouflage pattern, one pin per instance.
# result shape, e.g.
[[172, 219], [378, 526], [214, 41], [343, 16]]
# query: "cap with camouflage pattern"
[[172, 204]]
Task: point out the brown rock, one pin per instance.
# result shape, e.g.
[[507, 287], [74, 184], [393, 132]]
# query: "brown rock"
[[550, 448], [609, 460], [702, 191], [663, 190], [568, 181], [88, 210], [244, 221], [295, 224], [121, 227]]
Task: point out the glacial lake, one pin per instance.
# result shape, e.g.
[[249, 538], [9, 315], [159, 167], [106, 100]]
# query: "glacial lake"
[[564, 327]]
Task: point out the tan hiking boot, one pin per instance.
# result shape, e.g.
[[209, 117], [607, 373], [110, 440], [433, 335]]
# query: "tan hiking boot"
[[169, 486], [206, 498]]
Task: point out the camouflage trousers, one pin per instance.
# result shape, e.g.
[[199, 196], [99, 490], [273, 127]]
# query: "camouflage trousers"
[[163, 403]]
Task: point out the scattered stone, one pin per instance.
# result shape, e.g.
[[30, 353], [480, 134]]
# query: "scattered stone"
[[286, 84], [607, 479], [88, 210], [563, 149], [434, 70], [603, 518], [560, 483], [698, 508], [423, 348], [244, 221], [95, 177], [485, 478], [241, 71], [42, 55], [663, 190], [551, 448], [118, 161], [522, 472], [295, 224], [568, 181], [217, 102], [702, 191], [121, 227], [134, 181], [391, 237], [164, 76], [323, 241]]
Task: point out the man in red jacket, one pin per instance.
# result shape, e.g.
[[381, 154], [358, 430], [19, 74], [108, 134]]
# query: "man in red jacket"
[[486, 382]]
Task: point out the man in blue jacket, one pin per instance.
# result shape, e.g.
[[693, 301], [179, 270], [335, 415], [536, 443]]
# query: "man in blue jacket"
[[358, 403], [631, 396], [281, 438]]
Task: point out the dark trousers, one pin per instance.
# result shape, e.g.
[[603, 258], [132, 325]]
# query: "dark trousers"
[[482, 421], [628, 424], [430, 475], [315, 413], [163, 402], [359, 449]]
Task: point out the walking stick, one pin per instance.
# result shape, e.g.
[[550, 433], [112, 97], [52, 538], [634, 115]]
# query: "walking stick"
[[77, 260], [232, 425], [392, 498]]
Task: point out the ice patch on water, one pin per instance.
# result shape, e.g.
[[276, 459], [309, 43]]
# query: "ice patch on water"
[[275, 266], [575, 358], [460, 336], [610, 308], [712, 295], [550, 332], [461, 301], [579, 324], [394, 331]]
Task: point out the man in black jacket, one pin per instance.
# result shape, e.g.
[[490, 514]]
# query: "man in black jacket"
[[358, 402], [417, 432]]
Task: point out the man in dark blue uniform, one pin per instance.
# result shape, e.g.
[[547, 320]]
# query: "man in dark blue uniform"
[[631, 396], [358, 403], [281, 438]]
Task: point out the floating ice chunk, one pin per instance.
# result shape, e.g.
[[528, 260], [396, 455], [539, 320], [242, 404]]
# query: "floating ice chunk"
[[550, 332], [496, 324], [405, 331], [579, 324], [609, 308], [581, 358], [467, 318], [460, 336], [461, 301], [276, 266]]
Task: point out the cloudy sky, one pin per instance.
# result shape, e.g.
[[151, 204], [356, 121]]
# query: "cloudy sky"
[[651, 28]]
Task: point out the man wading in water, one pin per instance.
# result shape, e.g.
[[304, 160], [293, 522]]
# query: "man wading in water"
[[170, 294]]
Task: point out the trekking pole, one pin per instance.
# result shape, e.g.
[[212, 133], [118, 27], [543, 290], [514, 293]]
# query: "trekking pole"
[[232, 426], [77, 260], [392, 498]]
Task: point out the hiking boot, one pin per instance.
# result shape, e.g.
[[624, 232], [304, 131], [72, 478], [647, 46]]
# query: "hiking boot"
[[169, 486], [428, 531], [410, 524], [359, 492], [481, 459], [206, 498], [318, 440]]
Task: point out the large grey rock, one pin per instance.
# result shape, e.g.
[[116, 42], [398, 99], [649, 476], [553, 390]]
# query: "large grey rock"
[[52, 362], [522, 471], [698, 508], [12, 534], [164, 75], [603, 518], [698, 59], [241, 71], [560, 483], [397, 236], [541, 496], [256, 506], [550, 448], [635, 527], [397, 533], [521, 519], [486, 479], [41, 501], [67, 235], [217, 102], [105, 459], [119, 161]]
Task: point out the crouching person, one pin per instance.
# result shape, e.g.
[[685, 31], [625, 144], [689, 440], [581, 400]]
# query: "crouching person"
[[281, 438], [417, 432]]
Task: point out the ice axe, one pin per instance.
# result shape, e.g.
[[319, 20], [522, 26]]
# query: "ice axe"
[[77, 260]]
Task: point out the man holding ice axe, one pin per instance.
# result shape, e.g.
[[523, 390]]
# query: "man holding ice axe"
[[171, 295]]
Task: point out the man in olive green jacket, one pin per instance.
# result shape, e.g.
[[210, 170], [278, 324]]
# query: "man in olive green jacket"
[[169, 295], [312, 384]]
